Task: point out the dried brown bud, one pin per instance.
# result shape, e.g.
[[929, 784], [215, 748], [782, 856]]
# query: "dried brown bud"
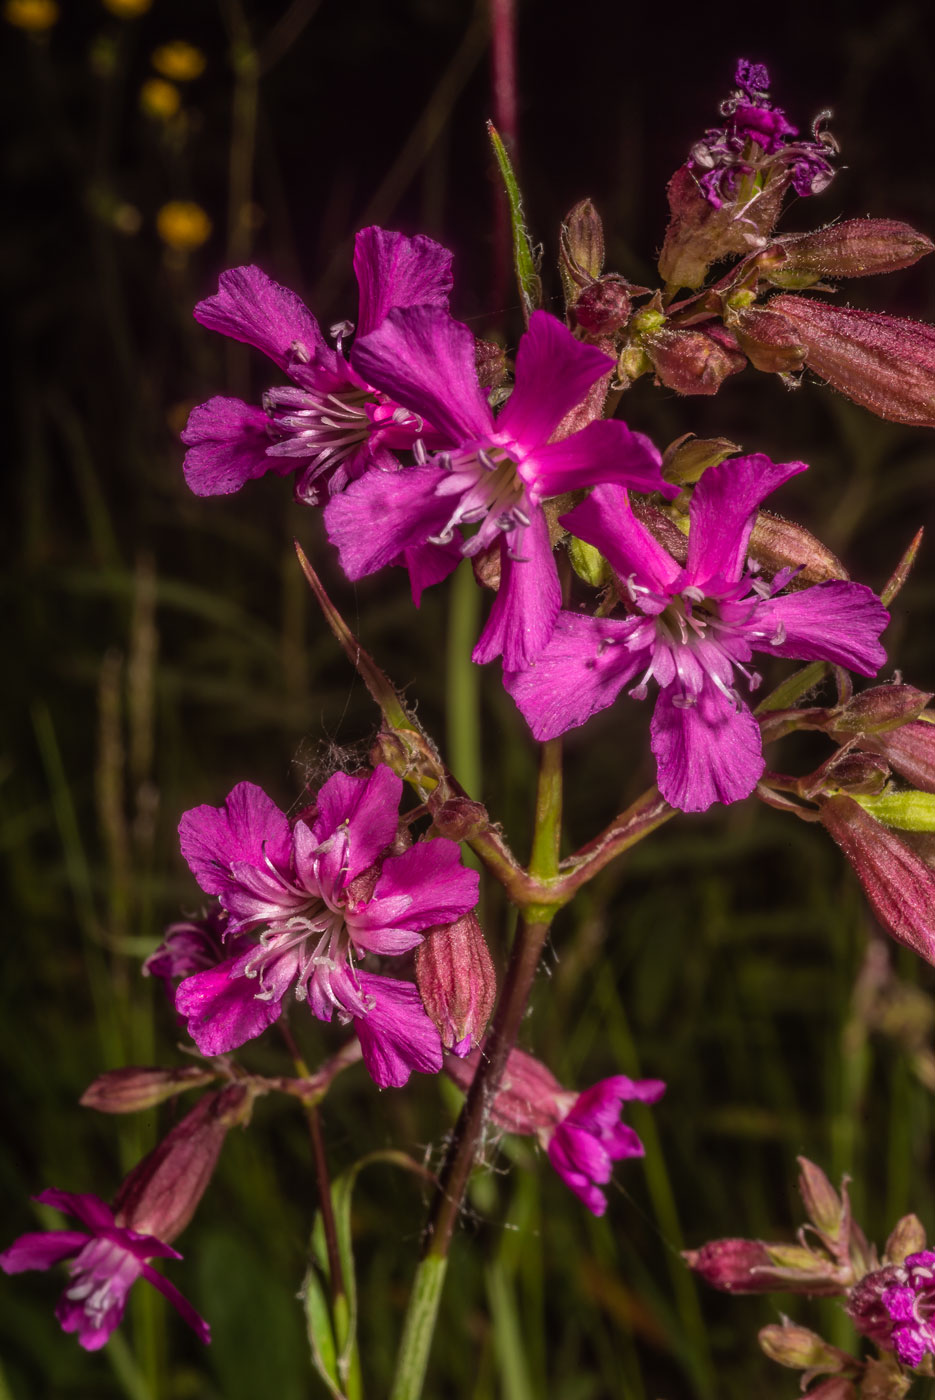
[[825, 1208], [692, 361], [133, 1088], [780, 544], [581, 244], [457, 982], [161, 1194], [906, 1237], [882, 362], [698, 234], [853, 248], [897, 882], [687, 457], [769, 341]]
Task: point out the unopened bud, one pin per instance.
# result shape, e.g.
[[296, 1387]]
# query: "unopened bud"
[[457, 982], [825, 1208], [802, 1349], [781, 544], [581, 245], [846, 771], [884, 1379], [907, 1237], [458, 818], [687, 457], [769, 341], [834, 1388], [733, 1266], [692, 361], [898, 884], [662, 528], [853, 248], [881, 709], [882, 362], [910, 749], [588, 563], [133, 1088], [161, 1194], [604, 307]]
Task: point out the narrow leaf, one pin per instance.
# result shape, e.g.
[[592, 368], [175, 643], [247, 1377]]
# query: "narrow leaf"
[[524, 259]]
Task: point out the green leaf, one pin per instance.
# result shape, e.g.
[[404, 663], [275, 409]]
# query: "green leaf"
[[524, 258]]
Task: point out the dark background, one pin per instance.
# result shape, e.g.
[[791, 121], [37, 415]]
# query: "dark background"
[[160, 648]]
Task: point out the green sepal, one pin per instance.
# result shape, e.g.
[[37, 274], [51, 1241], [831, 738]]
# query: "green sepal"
[[908, 811]]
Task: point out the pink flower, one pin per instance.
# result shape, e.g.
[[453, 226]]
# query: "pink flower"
[[894, 1307], [106, 1260], [582, 1133]]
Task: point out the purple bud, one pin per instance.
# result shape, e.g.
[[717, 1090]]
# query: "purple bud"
[[603, 308], [910, 749], [133, 1088], [733, 1266], [853, 248], [879, 710], [883, 362], [898, 884], [160, 1195], [692, 361], [769, 341], [458, 818], [457, 982]]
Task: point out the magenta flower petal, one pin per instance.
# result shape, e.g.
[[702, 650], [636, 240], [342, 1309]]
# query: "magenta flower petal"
[[582, 670], [89, 1209], [428, 564], [422, 358], [723, 510], [527, 604], [368, 805], [223, 1010], [41, 1251], [606, 520], [708, 751], [397, 1035], [554, 372], [834, 621], [251, 307], [249, 829], [181, 1304], [393, 270], [227, 442], [604, 451], [383, 514], [430, 874], [599, 1106]]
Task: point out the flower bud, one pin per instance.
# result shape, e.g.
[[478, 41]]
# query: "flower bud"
[[588, 563], [581, 248], [133, 1088], [910, 749], [604, 307], [732, 1266], [884, 1379], [780, 544], [457, 982], [898, 884], [529, 1100], [692, 361], [852, 248], [907, 1237], [458, 818], [884, 363], [827, 1211], [687, 457], [879, 710], [769, 341], [160, 1195], [802, 1349], [835, 1388]]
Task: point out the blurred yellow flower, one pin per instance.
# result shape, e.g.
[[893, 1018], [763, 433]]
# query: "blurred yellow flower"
[[34, 15], [179, 61], [127, 9], [183, 225], [160, 99]]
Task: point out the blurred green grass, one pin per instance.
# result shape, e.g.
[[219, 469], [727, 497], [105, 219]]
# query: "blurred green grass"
[[160, 648]]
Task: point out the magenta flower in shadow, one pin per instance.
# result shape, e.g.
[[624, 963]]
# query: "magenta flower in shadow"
[[106, 1259], [691, 629], [493, 474], [582, 1133], [329, 425], [895, 1306], [309, 898]]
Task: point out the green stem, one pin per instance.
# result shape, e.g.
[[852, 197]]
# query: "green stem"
[[455, 1173], [463, 681]]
